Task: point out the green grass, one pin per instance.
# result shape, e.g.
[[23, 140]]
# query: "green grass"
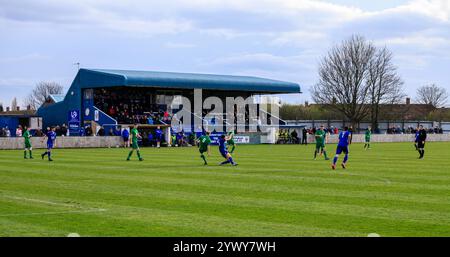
[[277, 190]]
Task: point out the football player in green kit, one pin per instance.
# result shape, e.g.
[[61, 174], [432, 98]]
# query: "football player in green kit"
[[26, 135], [368, 136], [320, 143], [203, 146], [231, 142], [134, 143]]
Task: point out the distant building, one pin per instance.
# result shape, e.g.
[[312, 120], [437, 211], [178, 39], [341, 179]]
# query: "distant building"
[[12, 119]]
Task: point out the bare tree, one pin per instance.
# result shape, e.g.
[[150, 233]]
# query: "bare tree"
[[385, 85], [342, 75], [432, 95], [41, 93]]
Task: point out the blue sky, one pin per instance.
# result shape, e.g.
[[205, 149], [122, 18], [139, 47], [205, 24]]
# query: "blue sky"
[[278, 39]]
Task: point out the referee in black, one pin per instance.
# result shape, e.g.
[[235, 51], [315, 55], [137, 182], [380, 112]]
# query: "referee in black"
[[421, 141]]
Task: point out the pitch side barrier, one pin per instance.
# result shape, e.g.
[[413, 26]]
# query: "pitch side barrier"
[[11, 143], [386, 138]]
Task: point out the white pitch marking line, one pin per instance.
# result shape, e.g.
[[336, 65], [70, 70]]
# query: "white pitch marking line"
[[49, 213], [81, 208], [387, 181]]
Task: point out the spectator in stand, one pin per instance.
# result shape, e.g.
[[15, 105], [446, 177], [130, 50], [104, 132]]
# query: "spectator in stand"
[[158, 136], [150, 139], [7, 132], [112, 111], [150, 120], [180, 138], [350, 130], [111, 132], [304, 136], [294, 136], [39, 133], [174, 140], [64, 130], [117, 131], [58, 131], [19, 131], [191, 139], [157, 119], [82, 132], [436, 130], [88, 131], [126, 138], [166, 116], [280, 137], [101, 131]]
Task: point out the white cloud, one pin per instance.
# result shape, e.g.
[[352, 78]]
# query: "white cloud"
[[16, 82], [178, 45], [299, 38], [24, 58], [281, 39], [262, 61], [418, 40], [439, 9]]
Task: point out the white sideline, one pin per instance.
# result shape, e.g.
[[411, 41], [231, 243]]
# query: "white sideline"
[[81, 209], [50, 213], [385, 180]]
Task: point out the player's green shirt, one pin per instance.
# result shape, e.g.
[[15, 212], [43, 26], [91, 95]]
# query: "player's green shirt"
[[26, 136], [134, 135], [368, 134], [231, 141], [204, 142], [320, 136]]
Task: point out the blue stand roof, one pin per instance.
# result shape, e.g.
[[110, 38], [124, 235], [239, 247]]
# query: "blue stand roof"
[[56, 113]]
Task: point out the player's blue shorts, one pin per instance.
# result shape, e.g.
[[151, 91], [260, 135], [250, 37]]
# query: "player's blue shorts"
[[224, 153], [125, 139], [49, 146], [341, 149], [158, 138]]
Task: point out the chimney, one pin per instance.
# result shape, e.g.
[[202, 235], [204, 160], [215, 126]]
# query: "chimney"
[[408, 101], [18, 108]]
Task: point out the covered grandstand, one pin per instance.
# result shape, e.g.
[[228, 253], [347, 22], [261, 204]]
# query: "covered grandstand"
[[114, 97]]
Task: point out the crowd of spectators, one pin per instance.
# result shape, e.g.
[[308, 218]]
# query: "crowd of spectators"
[[177, 139], [286, 136], [131, 107], [6, 132], [413, 130], [291, 136]]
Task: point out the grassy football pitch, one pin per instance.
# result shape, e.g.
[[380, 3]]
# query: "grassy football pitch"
[[277, 190]]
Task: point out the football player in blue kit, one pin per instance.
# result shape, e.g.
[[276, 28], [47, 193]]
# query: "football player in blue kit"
[[344, 141], [224, 152]]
